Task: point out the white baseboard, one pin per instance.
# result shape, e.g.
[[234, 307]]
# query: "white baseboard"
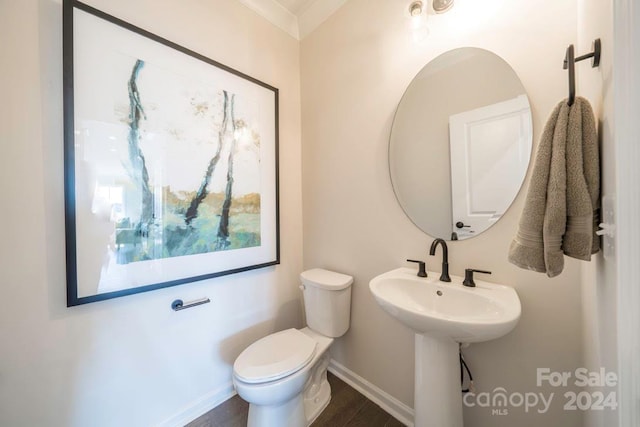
[[393, 406], [200, 406]]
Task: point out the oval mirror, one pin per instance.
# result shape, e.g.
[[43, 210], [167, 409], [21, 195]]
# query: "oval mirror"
[[460, 143]]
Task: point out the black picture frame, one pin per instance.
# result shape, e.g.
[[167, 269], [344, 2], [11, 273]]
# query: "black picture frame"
[[128, 175]]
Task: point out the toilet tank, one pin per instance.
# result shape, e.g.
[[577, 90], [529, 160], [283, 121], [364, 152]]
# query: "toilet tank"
[[327, 301]]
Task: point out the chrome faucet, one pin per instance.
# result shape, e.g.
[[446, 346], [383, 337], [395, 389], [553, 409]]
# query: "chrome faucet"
[[444, 276]]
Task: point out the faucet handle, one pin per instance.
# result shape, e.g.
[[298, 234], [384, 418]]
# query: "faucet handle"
[[468, 276], [422, 267]]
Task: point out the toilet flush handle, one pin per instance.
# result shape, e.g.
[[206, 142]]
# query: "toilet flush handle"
[[302, 287]]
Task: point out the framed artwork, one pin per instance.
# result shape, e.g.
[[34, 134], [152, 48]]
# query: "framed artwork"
[[171, 162]]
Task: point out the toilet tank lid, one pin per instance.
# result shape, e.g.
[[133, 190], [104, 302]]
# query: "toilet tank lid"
[[326, 279]]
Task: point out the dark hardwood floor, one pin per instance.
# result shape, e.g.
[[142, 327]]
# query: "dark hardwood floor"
[[347, 408]]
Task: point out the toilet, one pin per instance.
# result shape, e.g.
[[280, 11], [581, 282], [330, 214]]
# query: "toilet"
[[283, 376]]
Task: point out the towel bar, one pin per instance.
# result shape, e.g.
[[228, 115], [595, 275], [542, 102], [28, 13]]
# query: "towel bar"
[[570, 62], [178, 304]]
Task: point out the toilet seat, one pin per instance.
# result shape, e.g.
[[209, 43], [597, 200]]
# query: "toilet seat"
[[275, 356]]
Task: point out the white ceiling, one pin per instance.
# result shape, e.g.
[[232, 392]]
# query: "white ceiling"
[[296, 17]]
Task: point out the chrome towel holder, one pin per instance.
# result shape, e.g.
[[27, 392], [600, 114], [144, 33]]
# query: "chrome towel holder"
[[178, 304]]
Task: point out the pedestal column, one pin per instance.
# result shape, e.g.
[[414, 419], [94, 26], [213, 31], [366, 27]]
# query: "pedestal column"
[[438, 396]]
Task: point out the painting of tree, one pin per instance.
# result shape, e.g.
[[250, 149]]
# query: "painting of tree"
[[208, 220], [170, 162]]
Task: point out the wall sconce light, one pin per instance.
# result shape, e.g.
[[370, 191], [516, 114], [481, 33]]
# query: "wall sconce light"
[[441, 6], [415, 8]]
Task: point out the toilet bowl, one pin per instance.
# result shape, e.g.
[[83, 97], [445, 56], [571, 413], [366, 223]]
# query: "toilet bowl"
[[283, 376], [290, 399]]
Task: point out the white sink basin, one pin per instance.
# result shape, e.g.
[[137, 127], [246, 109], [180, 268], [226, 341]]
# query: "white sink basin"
[[447, 310]]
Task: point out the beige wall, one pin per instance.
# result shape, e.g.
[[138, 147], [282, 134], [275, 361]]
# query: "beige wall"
[[355, 69], [130, 361], [595, 20]]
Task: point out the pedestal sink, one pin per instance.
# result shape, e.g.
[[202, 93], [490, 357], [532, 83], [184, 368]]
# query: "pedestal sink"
[[443, 315]]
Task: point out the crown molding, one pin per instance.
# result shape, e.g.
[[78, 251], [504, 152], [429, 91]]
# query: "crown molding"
[[275, 13], [315, 13], [312, 14]]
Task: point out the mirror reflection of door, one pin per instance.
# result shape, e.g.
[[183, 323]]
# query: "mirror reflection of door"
[[490, 149], [457, 83]]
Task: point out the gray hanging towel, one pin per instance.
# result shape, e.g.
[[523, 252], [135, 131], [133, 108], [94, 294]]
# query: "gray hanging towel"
[[583, 183], [561, 203]]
